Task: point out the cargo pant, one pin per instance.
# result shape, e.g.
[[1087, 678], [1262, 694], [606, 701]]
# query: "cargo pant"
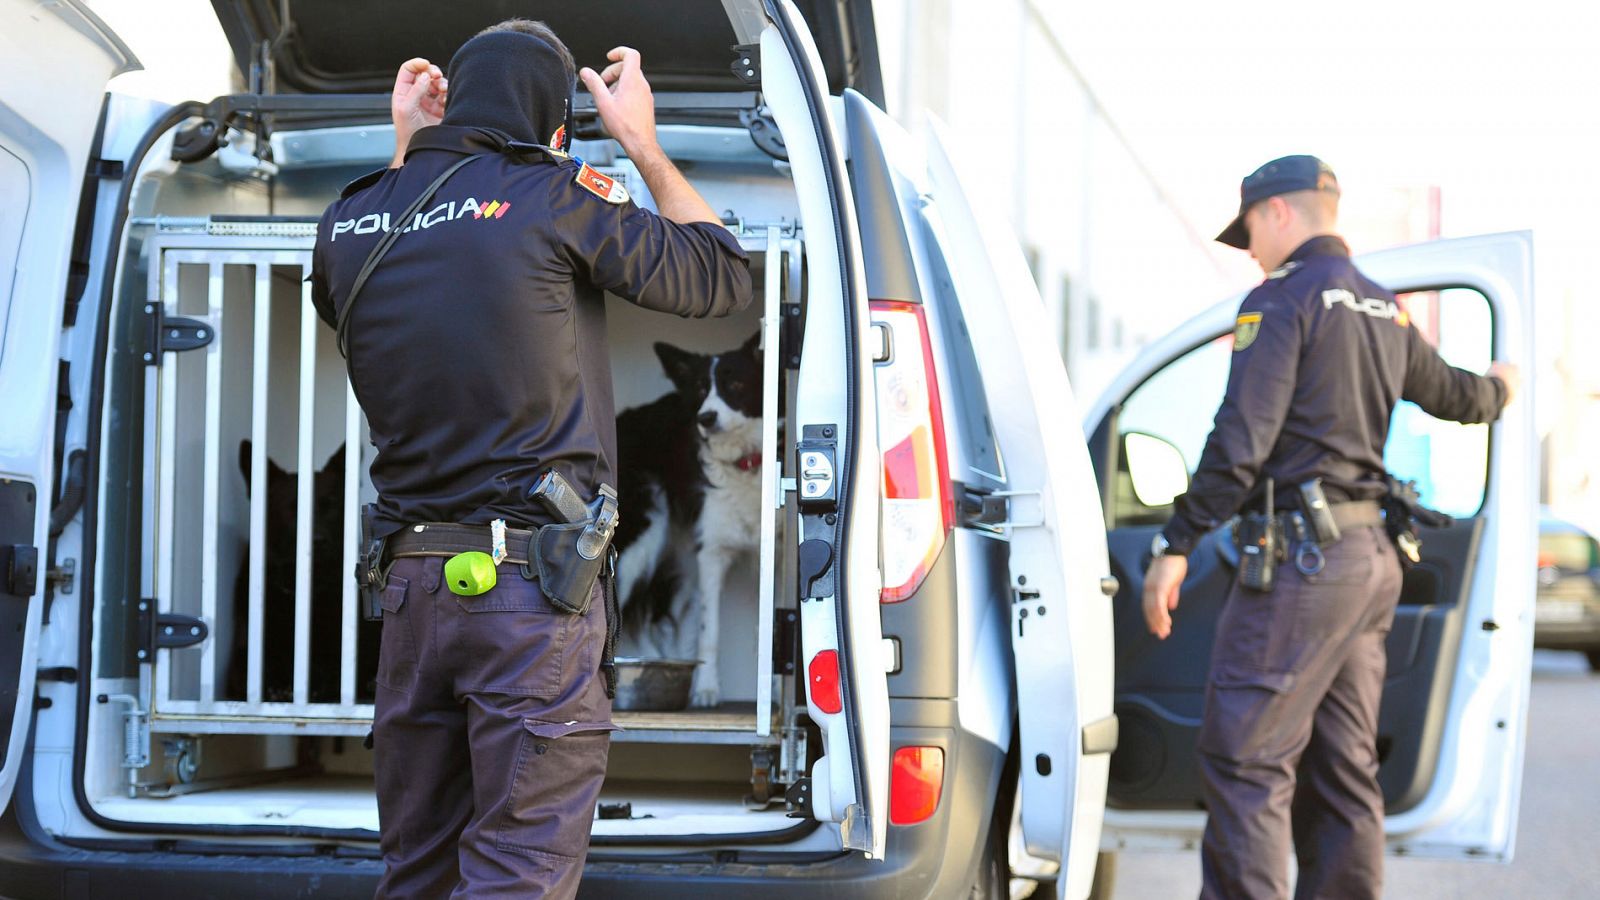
[[490, 737], [1288, 745]]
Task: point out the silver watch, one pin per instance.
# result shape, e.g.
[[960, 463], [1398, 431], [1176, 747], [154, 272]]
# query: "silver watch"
[[1159, 545]]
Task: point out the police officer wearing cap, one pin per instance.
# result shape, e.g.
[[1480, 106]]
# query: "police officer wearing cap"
[[477, 350], [1287, 746]]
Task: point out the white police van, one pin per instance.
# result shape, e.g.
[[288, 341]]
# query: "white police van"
[[927, 635]]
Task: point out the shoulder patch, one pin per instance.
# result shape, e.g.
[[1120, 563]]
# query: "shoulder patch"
[[1245, 330], [603, 186]]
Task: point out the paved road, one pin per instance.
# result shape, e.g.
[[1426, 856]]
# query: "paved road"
[[1558, 838]]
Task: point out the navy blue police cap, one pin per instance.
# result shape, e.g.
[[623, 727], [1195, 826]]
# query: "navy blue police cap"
[[1281, 176]]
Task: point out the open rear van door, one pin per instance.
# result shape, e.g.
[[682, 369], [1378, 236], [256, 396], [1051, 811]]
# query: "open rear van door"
[[61, 56], [1061, 633]]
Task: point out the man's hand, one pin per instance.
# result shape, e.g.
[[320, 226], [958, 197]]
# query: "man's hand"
[[623, 99], [1161, 583], [1510, 376], [417, 102]]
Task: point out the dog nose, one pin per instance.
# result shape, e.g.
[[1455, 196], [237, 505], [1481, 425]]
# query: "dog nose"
[[707, 418]]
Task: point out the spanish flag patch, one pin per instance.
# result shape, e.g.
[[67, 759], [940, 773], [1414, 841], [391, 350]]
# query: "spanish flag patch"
[[603, 186]]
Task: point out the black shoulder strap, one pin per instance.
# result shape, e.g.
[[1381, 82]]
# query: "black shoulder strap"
[[384, 243]]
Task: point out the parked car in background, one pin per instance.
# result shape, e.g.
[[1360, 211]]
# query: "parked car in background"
[[1566, 613]]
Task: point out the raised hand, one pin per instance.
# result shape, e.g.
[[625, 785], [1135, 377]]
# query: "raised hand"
[[623, 99], [418, 100]]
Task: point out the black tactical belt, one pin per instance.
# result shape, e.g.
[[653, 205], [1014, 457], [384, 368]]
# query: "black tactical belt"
[[1354, 514], [449, 538]]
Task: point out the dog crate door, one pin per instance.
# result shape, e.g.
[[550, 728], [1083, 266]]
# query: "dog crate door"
[[249, 619]]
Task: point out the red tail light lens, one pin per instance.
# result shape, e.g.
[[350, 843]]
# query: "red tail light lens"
[[918, 507], [915, 783], [823, 677]]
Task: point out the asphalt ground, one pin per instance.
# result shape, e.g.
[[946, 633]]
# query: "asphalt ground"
[[1558, 834]]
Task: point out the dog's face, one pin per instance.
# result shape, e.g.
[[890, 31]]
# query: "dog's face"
[[327, 526], [724, 391]]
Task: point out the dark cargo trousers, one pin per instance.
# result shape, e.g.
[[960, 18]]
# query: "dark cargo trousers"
[[1288, 745], [490, 737]]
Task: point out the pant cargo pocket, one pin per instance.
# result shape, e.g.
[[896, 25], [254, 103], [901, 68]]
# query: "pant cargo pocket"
[[559, 769], [397, 650]]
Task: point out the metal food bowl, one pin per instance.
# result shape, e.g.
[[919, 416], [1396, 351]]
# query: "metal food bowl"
[[653, 685]]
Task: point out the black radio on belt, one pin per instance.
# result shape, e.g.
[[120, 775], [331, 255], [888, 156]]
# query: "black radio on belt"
[[1257, 537]]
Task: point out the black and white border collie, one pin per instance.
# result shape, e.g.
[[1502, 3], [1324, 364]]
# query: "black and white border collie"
[[689, 467]]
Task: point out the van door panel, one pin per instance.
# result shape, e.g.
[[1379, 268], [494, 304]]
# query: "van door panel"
[[47, 121], [1161, 684], [850, 783], [1060, 619]]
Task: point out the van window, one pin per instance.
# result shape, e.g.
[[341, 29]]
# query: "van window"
[[1176, 405], [1449, 461]]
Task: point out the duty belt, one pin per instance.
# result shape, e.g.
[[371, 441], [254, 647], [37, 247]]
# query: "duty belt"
[[1305, 548], [1354, 514], [450, 538]]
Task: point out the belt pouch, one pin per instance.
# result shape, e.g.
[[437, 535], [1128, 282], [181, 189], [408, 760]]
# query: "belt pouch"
[[566, 576]]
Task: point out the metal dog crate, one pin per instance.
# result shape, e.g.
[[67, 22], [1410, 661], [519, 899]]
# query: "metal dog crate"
[[240, 354], [236, 351]]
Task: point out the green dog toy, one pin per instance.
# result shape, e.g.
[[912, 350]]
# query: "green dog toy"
[[470, 574]]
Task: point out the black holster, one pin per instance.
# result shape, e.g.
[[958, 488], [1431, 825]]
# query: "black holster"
[[372, 570], [566, 576]]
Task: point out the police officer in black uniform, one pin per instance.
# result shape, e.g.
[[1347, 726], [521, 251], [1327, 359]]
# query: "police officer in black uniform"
[[478, 352], [1321, 356]]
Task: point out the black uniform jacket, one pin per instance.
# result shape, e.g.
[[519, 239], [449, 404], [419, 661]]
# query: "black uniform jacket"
[[478, 345], [1321, 356]]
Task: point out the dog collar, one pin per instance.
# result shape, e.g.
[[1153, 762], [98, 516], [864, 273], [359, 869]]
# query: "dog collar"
[[748, 463]]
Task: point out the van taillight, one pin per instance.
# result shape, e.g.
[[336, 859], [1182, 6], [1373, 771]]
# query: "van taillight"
[[915, 782], [918, 507]]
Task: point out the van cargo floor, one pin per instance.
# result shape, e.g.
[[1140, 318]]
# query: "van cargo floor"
[[727, 723], [321, 801], [347, 802]]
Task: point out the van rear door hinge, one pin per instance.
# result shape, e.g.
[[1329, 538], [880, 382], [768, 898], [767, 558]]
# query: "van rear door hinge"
[[171, 334], [981, 508], [746, 65]]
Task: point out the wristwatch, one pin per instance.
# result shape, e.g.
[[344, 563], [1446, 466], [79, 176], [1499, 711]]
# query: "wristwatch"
[[1159, 545]]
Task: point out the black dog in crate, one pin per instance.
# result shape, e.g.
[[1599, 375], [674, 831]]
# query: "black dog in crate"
[[328, 576]]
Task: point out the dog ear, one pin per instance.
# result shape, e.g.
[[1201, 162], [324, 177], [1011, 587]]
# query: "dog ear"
[[753, 345], [334, 465], [680, 365]]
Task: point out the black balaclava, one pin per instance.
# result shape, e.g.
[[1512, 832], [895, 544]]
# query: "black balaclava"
[[513, 83]]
